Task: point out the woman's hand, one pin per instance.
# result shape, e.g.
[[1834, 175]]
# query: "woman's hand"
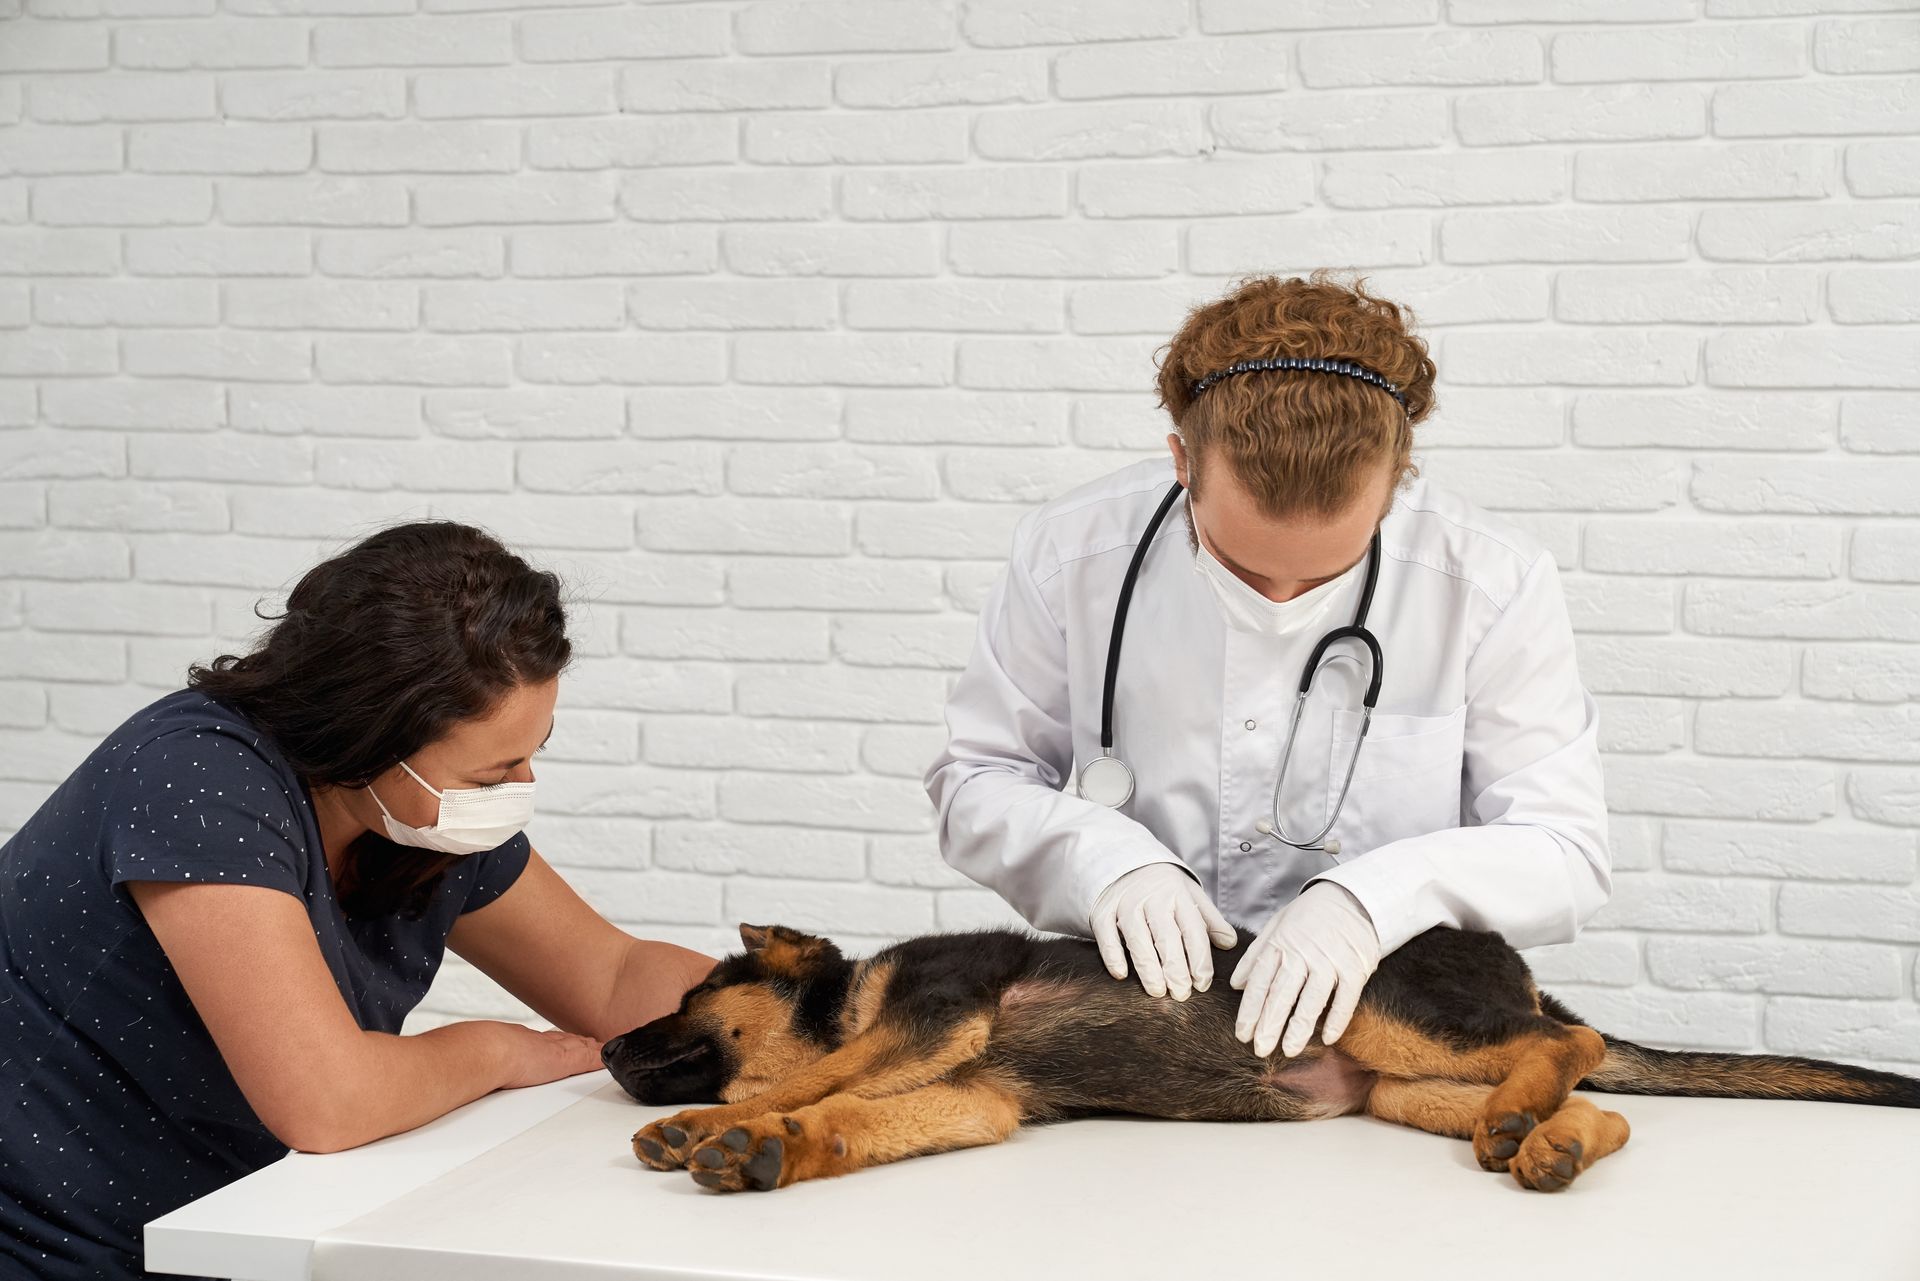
[[543, 943], [535, 1058], [1160, 916], [1320, 947]]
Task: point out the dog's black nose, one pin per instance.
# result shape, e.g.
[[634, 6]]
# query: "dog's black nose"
[[609, 1049]]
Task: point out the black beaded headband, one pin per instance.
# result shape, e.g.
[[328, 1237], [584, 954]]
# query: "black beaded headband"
[[1319, 364]]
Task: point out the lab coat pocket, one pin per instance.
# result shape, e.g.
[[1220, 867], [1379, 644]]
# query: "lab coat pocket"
[[1407, 781]]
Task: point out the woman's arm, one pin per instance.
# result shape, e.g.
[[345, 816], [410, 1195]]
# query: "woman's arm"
[[1535, 866], [543, 943], [247, 959], [1009, 814]]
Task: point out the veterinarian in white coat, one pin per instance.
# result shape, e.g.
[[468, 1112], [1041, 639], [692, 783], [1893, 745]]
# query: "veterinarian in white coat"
[[1475, 798]]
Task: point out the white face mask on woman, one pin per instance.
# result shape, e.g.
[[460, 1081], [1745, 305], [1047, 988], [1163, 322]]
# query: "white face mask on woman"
[[472, 820], [1247, 610]]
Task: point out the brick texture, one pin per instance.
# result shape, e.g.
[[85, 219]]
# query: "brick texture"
[[763, 322]]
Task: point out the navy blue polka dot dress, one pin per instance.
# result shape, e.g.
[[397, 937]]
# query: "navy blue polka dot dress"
[[117, 1106]]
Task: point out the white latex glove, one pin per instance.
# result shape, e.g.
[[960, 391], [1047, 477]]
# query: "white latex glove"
[[1169, 925], [1320, 946]]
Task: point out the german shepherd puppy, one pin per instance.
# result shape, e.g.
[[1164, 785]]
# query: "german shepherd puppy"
[[945, 1041]]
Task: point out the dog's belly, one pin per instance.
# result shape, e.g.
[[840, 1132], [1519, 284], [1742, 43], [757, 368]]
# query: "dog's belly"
[[1033, 993], [1329, 1084], [1080, 1045]]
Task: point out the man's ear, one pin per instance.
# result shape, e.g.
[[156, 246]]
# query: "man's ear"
[[1179, 449]]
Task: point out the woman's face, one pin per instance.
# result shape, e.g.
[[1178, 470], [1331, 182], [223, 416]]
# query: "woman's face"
[[1279, 557], [498, 748]]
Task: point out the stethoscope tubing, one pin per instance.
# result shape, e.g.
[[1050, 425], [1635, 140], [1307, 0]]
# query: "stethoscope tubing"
[[1113, 779]]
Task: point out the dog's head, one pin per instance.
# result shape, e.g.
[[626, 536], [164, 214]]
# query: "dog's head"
[[760, 1015]]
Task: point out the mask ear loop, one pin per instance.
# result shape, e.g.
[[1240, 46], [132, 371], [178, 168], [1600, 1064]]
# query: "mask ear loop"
[[384, 811], [423, 782], [387, 813]]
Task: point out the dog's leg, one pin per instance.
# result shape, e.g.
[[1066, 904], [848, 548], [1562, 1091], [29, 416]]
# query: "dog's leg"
[[1533, 1070], [1545, 1070], [878, 1062], [847, 1132], [1438, 1107], [1550, 1157], [1573, 1138]]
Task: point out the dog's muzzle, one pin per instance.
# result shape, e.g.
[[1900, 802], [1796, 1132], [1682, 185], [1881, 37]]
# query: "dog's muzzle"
[[658, 1069]]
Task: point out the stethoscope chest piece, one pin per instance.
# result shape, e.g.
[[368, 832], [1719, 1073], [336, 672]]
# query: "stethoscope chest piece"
[[1106, 780]]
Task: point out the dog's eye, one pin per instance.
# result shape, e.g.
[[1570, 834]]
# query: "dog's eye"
[[736, 1033]]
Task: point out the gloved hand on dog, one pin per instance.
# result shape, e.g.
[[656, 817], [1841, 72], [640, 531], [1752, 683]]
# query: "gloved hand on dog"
[[1320, 946], [1169, 925]]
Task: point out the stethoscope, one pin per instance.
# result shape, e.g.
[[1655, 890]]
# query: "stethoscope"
[[1108, 780]]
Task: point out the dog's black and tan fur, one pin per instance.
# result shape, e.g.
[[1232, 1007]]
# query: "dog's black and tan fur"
[[947, 1041]]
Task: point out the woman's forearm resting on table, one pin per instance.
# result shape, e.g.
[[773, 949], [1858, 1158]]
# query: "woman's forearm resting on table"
[[385, 1084], [394, 1083], [311, 1074]]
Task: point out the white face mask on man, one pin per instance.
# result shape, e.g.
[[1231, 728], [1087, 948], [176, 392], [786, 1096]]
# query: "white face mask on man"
[[472, 820], [1247, 610]]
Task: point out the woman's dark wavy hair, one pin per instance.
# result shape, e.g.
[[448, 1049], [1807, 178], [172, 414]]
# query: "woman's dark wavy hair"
[[381, 650]]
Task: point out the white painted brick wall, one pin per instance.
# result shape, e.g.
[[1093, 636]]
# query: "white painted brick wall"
[[764, 320]]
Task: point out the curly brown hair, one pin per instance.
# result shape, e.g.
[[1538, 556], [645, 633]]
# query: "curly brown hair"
[[1300, 440]]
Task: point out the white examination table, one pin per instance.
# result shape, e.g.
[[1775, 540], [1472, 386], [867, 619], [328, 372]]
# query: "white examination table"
[[539, 1184]]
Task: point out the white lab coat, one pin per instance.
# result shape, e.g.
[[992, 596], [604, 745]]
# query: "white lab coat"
[[1477, 800]]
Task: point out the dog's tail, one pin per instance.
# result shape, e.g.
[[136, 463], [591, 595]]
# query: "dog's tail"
[[1637, 1069]]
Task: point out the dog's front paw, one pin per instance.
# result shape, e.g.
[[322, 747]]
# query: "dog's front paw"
[[668, 1144], [765, 1153], [1497, 1139]]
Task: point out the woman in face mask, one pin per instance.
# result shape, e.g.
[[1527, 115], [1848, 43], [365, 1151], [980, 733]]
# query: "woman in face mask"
[[213, 929]]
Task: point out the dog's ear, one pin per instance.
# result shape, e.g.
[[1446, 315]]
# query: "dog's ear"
[[785, 951]]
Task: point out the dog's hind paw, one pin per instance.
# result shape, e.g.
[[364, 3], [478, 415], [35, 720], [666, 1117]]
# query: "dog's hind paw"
[[1497, 1139], [1548, 1162]]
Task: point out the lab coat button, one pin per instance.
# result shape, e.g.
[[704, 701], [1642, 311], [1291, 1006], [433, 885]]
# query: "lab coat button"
[[1246, 846], [1251, 723]]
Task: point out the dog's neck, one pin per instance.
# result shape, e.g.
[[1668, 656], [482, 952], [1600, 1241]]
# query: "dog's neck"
[[823, 998]]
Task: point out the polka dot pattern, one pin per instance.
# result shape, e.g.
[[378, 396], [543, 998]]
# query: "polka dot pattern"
[[124, 1108]]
